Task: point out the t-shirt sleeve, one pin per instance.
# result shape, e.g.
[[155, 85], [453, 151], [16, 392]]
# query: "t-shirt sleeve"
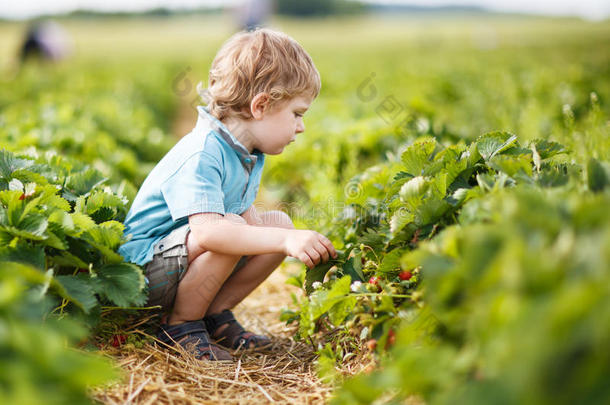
[[195, 188]]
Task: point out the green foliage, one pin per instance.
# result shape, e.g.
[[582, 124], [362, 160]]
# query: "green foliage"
[[37, 365], [68, 165], [57, 227], [522, 297], [501, 237], [407, 210], [453, 211]]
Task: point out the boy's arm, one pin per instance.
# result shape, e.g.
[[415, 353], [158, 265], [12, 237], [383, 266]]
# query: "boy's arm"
[[231, 235]]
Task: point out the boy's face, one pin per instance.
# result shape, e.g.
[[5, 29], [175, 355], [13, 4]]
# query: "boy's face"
[[280, 125]]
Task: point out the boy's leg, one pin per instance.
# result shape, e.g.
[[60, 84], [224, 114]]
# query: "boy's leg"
[[241, 283], [207, 272]]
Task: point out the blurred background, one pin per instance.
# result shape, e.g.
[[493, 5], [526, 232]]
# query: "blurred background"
[[389, 69]]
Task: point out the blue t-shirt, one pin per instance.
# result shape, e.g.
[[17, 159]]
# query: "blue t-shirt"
[[208, 170]]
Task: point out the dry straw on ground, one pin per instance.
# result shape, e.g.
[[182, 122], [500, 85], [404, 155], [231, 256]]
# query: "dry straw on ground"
[[283, 374]]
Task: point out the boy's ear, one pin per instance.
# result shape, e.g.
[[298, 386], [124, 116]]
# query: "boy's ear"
[[258, 105]]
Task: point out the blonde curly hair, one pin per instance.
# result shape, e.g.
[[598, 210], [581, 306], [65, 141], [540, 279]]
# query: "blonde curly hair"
[[261, 61]]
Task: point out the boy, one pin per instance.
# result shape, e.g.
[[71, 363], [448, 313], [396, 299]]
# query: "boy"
[[203, 245]]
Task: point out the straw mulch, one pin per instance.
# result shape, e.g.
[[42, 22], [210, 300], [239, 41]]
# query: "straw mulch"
[[283, 374]]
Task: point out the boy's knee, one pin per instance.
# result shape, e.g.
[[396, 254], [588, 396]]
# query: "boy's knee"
[[277, 218], [237, 219]]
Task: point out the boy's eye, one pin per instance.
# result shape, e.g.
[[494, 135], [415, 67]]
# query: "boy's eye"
[[298, 114]]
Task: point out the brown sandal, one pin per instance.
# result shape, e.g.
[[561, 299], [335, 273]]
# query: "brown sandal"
[[233, 336], [194, 338]]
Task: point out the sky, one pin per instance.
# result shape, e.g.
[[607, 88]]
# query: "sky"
[[20, 9]]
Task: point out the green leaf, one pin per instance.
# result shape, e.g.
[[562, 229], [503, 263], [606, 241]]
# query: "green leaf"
[[547, 149], [341, 310], [33, 227], [400, 219], [24, 253], [106, 238], [82, 222], [9, 164], [598, 175], [414, 188], [50, 198], [552, 177], [81, 183], [322, 300], [417, 156], [373, 238], [353, 268], [512, 165], [67, 259], [28, 176], [62, 219], [79, 290], [122, 284], [391, 261], [493, 143], [431, 211], [317, 274], [55, 238], [102, 206]]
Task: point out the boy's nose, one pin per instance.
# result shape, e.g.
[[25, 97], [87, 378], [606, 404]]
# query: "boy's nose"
[[300, 127]]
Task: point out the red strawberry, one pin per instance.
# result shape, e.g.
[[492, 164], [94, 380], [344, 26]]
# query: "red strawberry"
[[118, 340], [391, 339], [405, 275], [375, 281], [371, 344]]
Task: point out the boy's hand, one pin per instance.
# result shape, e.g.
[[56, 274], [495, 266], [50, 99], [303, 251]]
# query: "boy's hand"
[[310, 247]]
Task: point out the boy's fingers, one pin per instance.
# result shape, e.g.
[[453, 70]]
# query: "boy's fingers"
[[329, 246], [321, 249], [314, 255], [306, 260]]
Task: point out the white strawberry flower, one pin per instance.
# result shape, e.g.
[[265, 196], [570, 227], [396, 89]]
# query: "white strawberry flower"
[[316, 285], [355, 287]]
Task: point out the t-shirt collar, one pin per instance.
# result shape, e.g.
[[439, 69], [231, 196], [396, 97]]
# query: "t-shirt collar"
[[247, 159]]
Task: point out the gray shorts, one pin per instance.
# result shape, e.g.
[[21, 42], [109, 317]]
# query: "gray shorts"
[[168, 266]]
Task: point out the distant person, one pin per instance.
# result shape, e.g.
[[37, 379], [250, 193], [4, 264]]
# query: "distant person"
[[252, 14], [45, 41], [193, 225]]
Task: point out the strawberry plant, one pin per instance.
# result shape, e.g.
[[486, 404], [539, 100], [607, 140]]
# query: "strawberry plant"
[[519, 295], [406, 201], [68, 171], [37, 365], [472, 269], [63, 221]]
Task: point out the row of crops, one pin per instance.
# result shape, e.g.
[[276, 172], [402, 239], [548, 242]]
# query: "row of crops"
[[470, 203], [466, 188], [482, 269], [69, 166]]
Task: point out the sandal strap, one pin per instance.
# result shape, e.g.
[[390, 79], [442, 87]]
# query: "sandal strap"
[[170, 333], [213, 321], [234, 335], [211, 352]]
